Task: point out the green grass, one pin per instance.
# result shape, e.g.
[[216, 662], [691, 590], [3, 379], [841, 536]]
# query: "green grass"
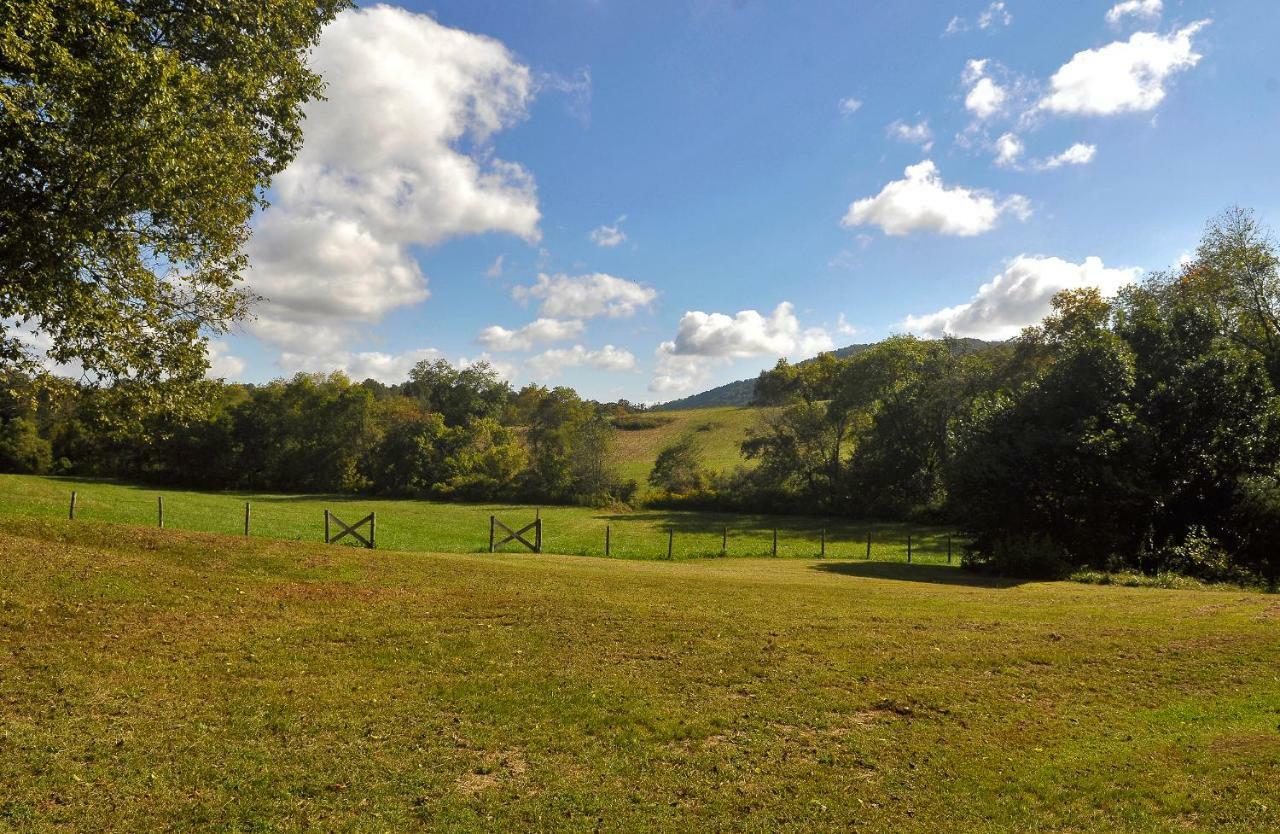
[[434, 526], [720, 431], [166, 680]]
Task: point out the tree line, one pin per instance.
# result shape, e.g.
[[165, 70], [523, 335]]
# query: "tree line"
[[446, 433], [1141, 432]]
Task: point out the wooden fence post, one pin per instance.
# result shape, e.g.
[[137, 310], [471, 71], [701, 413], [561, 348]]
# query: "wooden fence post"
[[868, 545], [908, 548], [537, 534], [246, 518], [606, 539], [492, 522], [775, 542], [948, 549], [373, 531], [822, 554], [326, 526], [671, 539], [72, 516], [160, 511], [724, 542]]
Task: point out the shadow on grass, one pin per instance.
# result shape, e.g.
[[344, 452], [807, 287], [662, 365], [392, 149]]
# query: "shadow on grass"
[[933, 574]]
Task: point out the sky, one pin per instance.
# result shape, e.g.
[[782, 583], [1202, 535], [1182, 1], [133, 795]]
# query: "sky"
[[644, 200]]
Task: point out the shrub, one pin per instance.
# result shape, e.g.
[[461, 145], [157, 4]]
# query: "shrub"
[[641, 422]]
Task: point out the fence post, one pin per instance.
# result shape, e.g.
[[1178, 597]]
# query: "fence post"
[[948, 549], [72, 516], [246, 518], [326, 526], [606, 539], [373, 530], [724, 543], [775, 542], [537, 534], [908, 548], [160, 511], [671, 538], [492, 522], [822, 554], [868, 545]]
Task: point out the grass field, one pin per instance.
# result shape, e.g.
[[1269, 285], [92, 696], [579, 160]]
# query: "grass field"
[[435, 526], [719, 431], [167, 680]]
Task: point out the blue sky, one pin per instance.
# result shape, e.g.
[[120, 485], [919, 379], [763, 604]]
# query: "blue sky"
[[773, 178]]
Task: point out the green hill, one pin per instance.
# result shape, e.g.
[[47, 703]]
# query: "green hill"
[[741, 392], [719, 431]]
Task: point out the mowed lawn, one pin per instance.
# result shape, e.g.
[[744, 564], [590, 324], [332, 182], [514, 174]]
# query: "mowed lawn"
[[436, 526], [168, 680]]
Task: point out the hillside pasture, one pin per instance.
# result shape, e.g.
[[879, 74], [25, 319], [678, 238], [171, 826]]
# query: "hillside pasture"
[[169, 680], [719, 432]]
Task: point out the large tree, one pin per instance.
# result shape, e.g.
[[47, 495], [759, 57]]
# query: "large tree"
[[137, 138]]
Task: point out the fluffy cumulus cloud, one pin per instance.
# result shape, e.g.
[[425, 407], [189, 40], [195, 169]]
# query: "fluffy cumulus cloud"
[[913, 134], [922, 202], [359, 365], [542, 331], [1124, 76], [1077, 154], [222, 365], [608, 358], [395, 157], [609, 236], [1150, 9], [1019, 296], [705, 340], [985, 97], [586, 296], [1009, 150], [849, 106]]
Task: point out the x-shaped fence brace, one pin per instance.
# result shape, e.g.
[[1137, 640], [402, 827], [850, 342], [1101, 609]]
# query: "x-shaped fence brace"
[[517, 535], [351, 529]]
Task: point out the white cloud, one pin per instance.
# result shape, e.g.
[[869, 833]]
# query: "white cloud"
[[1009, 150], [608, 358], [922, 202], [397, 155], [586, 296], [844, 328], [917, 134], [705, 340], [495, 268], [1150, 9], [995, 15], [609, 236], [385, 367], [222, 365], [1124, 76], [1077, 154], [849, 106], [985, 97], [1019, 296], [498, 338]]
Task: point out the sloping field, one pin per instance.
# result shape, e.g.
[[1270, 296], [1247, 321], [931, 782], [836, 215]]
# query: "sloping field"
[[464, 528], [719, 431], [164, 680]]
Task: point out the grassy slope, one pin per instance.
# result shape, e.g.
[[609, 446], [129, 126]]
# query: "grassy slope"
[[161, 679], [719, 430], [462, 528]]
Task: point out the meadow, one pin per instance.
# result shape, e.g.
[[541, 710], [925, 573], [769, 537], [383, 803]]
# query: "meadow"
[[436, 526], [719, 432], [172, 680]]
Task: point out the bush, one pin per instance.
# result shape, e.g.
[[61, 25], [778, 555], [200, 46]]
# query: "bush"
[[22, 449], [641, 422], [1202, 556], [1029, 556]]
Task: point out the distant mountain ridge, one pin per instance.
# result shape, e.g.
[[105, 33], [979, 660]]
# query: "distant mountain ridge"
[[740, 393]]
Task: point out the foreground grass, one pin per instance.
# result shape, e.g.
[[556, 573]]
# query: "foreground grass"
[[435, 526], [169, 680]]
